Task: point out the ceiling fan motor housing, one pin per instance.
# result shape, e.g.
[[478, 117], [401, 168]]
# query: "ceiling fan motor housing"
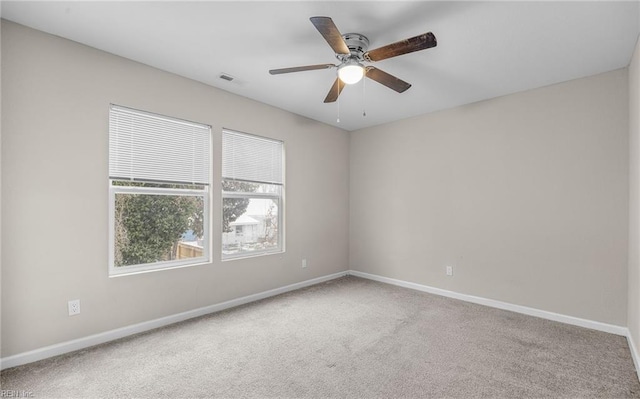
[[357, 43]]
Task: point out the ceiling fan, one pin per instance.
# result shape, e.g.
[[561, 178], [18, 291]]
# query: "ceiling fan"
[[352, 51]]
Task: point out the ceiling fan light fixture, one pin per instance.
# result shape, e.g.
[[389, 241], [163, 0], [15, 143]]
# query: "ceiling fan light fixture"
[[351, 72]]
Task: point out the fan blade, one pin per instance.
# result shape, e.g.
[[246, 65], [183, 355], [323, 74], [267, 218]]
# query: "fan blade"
[[388, 80], [335, 91], [331, 34], [300, 69], [416, 43]]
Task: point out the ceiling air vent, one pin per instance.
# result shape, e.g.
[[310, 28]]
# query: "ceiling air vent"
[[227, 77]]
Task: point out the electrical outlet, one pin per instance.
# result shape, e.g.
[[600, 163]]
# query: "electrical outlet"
[[449, 270], [74, 307], [304, 263]]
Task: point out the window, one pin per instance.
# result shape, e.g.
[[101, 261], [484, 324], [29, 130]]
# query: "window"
[[252, 195], [158, 191]]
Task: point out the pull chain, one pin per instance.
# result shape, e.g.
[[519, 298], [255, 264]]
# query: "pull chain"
[[364, 95], [338, 89]]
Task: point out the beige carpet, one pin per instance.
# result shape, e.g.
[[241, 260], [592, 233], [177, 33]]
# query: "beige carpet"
[[349, 338]]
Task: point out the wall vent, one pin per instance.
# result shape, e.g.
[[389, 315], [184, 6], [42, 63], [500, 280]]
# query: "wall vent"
[[227, 77]]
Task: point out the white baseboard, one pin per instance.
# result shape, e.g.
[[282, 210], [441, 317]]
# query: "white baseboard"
[[594, 325], [85, 342], [634, 353], [96, 339]]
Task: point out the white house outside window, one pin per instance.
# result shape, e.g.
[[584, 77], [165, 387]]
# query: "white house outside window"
[[158, 191], [252, 195]]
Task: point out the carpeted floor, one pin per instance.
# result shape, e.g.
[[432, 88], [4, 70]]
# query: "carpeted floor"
[[349, 338]]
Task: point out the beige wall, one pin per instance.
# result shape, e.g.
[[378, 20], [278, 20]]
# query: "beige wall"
[[56, 97], [526, 196], [633, 318]]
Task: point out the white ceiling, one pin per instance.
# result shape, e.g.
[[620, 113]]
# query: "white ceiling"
[[485, 49]]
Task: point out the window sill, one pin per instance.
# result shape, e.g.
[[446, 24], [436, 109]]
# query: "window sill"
[[251, 255], [157, 269]]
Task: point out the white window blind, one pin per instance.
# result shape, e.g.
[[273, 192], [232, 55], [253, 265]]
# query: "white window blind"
[[251, 158], [149, 147]]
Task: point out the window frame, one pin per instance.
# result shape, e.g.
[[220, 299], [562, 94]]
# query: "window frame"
[[201, 187], [170, 264], [278, 197], [249, 195]]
